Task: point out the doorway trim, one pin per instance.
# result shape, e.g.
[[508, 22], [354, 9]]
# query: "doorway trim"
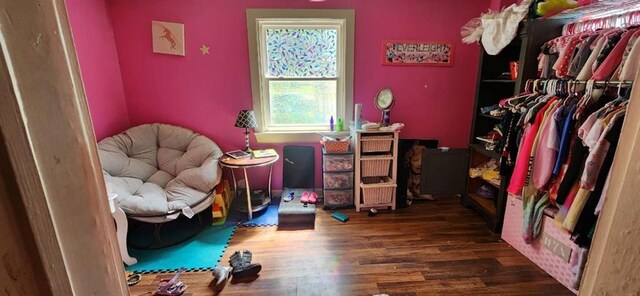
[[612, 267], [47, 131]]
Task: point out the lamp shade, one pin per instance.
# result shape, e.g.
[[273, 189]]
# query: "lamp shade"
[[246, 119]]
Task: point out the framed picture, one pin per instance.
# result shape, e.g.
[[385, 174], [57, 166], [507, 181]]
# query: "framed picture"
[[168, 38], [417, 53]]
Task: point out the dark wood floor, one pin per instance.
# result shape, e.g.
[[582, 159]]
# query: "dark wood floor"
[[430, 248]]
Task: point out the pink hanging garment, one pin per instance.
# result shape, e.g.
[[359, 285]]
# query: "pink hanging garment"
[[613, 59], [547, 151], [521, 168], [633, 62]]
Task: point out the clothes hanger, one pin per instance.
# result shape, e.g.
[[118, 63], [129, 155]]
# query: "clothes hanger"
[[573, 94], [622, 95], [586, 98]]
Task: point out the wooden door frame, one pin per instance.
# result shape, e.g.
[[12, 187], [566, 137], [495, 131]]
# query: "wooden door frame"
[[48, 136], [49, 139], [612, 267]]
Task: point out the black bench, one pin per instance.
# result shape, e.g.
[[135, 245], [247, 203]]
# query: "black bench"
[[294, 214]]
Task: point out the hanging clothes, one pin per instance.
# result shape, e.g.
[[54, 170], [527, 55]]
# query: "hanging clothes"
[[626, 54], [520, 171], [613, 58], [632, 63], [587, 217]]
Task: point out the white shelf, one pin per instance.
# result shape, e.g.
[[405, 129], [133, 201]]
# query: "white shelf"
[[358, 138]]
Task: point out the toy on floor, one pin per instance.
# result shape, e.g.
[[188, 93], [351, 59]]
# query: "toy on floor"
[[168, 287], [133, 278], [372, 212], [340, 216], [222, 200]]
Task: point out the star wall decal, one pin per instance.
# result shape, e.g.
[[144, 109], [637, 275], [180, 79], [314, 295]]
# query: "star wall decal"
[[204, 49]]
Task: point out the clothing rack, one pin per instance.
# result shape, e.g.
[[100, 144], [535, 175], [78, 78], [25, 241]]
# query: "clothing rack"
[[570, 82], [597, 82]]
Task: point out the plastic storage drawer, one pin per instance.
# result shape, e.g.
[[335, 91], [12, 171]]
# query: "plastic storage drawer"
[[338, 180], [338, 198], [337, 163]]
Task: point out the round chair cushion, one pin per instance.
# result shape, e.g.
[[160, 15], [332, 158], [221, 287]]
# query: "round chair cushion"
[[160, 170]]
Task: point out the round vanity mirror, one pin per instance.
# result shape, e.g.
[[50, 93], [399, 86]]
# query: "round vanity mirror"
[[384, 99]]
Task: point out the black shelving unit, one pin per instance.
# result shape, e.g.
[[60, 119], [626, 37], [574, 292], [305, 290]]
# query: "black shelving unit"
[[492, 86], [490, 116]]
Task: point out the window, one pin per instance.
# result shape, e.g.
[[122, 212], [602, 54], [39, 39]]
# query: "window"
[[301, 72]]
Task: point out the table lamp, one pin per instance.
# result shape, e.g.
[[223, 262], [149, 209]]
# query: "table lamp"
[[247, 120]]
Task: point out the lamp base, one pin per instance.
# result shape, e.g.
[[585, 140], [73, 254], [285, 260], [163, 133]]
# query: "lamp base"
[[246, 140]]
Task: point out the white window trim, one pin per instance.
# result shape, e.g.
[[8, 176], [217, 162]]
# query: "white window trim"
[[260, 19]]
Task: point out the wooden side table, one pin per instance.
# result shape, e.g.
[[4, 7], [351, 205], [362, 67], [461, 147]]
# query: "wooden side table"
[[244, 164]]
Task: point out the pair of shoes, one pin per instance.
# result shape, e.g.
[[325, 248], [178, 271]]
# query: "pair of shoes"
[[242, 266], [309, 197], [289, 197], [220, 277]]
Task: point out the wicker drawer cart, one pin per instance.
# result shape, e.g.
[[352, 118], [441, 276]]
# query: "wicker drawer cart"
[[376, 157]]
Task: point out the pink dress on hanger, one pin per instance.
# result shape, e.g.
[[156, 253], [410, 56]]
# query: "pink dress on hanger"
[[633, 62], [625, 55], [614, 58], [547, 151]]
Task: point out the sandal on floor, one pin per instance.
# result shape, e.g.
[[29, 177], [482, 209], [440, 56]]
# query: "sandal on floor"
[[305, 197], [169, 287], [133, 278], [313, 198]]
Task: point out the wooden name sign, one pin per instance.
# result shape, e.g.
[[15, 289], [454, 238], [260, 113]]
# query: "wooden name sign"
[[417, 53]]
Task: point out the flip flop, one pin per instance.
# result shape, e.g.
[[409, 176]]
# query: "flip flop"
[[313, 198], [305, 197]]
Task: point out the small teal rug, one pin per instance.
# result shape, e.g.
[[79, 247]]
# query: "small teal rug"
[[202, 252], [268, 217]]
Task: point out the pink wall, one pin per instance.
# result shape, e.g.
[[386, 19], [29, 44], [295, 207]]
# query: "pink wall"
[[499, 4], [99, 65], [205, 93]]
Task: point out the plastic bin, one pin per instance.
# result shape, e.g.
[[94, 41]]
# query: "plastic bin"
[[377, 190], [338, 180], [376, 166], [336, 146], [337, 163], [338, 198]]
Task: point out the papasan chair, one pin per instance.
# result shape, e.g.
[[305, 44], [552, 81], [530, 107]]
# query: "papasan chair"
[[161, 173]]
